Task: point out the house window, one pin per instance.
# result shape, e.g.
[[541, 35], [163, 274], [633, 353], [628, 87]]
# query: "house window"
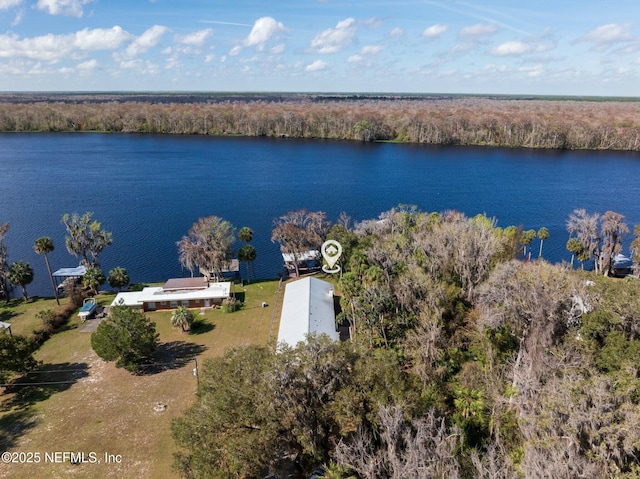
[[163, 303], [174, 304], [151, 306], [185, 302]]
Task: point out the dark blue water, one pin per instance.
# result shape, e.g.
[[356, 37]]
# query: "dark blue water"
[[149, 190]]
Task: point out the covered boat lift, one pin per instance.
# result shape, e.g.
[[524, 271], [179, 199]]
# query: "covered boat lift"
[[64, 276]]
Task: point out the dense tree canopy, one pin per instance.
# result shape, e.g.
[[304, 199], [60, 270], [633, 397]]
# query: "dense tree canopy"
[[528, 123], [465, 362], [16, 355], [127, 336]]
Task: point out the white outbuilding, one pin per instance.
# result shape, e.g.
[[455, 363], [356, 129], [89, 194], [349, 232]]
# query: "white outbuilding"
[[307, 308]]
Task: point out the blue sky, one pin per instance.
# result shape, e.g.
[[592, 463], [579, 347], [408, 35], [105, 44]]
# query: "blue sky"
[[562, 47]]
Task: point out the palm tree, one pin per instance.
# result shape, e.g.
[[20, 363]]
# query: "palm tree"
[[21, 273], [44, 245], [577, 250], [245, 234], [118, 278], [525, 239], [93, 278], [543, 234], [183, 318], [247, 254]]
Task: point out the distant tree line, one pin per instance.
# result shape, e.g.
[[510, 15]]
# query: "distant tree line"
[[529, 123]]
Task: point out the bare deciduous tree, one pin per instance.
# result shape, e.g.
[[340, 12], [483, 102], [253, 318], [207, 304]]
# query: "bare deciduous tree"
[[584, 226], [85, 237], [300, 231], [209, 245], [422, 448]]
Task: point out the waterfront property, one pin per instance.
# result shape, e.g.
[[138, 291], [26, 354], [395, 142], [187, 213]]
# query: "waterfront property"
[[187, 292], [307, 308]]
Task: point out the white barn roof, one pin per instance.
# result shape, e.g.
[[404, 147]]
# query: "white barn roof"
[[307, 308]]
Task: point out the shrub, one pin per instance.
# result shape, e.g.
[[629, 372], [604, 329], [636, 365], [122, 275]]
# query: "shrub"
[[231, 304]]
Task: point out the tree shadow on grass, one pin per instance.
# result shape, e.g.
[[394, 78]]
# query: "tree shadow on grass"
[[171, 355], [28, 389], [13, 425], [7, 314], [200, 327]]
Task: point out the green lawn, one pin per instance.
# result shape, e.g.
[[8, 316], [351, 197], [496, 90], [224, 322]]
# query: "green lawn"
[[101, 409]]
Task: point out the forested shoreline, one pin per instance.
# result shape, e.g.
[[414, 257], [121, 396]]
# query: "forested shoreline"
[[438, 120]]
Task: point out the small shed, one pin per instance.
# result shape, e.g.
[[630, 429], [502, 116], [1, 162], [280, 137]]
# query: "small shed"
[[307, 308]]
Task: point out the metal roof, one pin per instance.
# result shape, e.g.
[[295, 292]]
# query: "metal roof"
[[71, 272], [307, 308]]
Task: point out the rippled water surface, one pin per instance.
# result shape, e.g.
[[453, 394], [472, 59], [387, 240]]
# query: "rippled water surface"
[[148, 190]]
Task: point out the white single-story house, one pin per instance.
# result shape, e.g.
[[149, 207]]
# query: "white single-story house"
[[307, 308], [187, 292]]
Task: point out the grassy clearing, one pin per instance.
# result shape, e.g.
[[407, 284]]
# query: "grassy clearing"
[[104, 410]]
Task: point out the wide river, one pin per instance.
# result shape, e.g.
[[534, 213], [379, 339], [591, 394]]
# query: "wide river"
[[148, 190]]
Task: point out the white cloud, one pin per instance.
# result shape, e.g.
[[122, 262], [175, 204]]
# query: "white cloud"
[[101, 38], [53, 48], [47, 47], [396, 32], [63, 7], [612, 32], [606, 35], [317, 66], [478, 30], [366, 53], [335, 39], [533, 71], [263, 30], [87, 66], [195, 39], [142, 67], [512, 49], [149, 39], [434, 31], [373, 22], [7, 4]]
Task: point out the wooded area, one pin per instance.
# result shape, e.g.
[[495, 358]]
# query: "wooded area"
[[458, 120], [466, 360]]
